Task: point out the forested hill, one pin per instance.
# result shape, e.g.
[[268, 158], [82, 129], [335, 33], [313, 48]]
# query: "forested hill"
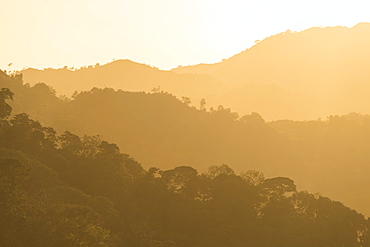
[[160, 130], [292, 75], [157, 129], [297, 59], [126, 75], [67, 190], [323, 70]]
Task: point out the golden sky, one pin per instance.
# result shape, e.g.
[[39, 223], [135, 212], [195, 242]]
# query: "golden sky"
[[162, 33]]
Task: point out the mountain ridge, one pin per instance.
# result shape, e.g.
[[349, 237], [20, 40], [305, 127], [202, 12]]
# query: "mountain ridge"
[[321, 70], [328, 64], [122, 74]]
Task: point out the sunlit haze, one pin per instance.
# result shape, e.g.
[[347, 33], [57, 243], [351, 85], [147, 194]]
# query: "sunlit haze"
[[162, 33], [169, 123]]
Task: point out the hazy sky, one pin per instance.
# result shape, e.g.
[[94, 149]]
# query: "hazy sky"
[[162, 33]]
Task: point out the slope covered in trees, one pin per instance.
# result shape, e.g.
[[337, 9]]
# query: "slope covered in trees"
[[324, 71], [159, 130], [148, 125], [66, 190], [336, 150], [300, 76], [126, 75]]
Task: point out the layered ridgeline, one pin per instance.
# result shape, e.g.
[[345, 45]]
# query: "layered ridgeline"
[[274, 101], [157, 129], [126, 75], [300, 75], [67, 190], [147, 125]]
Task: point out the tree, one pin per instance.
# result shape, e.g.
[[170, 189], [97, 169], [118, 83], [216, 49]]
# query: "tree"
[[277, 187], [254, 117], [27, 134], [202, 104], [177, 178], [156, 89], [214, 171], [252, 177], [71, 143], [186, 100], [5, 109]]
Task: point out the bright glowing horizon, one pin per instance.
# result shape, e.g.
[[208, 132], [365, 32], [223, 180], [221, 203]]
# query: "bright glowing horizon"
[[162, 33]]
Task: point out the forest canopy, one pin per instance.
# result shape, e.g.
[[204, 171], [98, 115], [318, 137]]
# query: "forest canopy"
[[160, 130], [70, 190]]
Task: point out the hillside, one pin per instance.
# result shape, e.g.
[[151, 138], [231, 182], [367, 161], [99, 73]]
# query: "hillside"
[[159, 130], [67, 190], [328, 65], [148, 124], [301, 76], [126, 75]]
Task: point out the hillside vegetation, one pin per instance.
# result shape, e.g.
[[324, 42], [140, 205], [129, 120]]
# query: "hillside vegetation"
[[126, 75], [292, 75], [157, 129], [301, 75], [67, 190]]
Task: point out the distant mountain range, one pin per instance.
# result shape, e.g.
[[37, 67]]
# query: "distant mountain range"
[[301, 76], [323, 71], [125, 75], [317, 57]]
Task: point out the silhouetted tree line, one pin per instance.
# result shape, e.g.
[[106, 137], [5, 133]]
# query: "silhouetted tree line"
[[157, 128], [160, 130], [67, 190]]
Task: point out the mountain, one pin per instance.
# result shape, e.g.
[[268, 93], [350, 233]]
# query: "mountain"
[[159, 130], [67, 190], [126, 75], [148, 124], [300, 76], [270, 100], [328, 65]]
